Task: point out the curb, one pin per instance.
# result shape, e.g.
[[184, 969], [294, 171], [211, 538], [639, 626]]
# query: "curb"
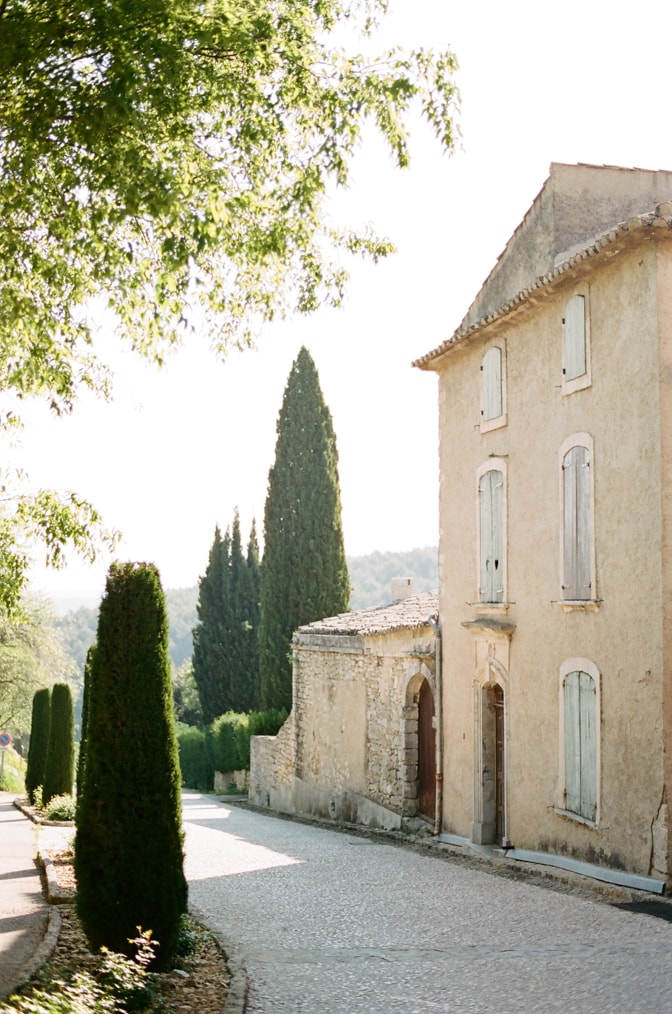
[[55, 895], [32, 814], [235, 1001], [41, 955]]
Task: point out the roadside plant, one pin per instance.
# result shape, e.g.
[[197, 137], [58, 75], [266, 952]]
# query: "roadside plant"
[[59, 766], [128, 844], [39, 743], [60, 808]]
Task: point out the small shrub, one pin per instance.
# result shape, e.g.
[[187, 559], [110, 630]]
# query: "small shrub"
[[189, 937], [122, 986], [242, 738], [226, 756], [38, 799], [81, 996], [129, 981], [196, 765], [60, 808]]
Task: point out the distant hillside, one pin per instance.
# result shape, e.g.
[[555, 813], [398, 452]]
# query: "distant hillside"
[[370, 576], [78, 627]]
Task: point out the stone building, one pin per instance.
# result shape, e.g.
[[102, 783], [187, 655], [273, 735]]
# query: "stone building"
[[555, 408], [360, 742]]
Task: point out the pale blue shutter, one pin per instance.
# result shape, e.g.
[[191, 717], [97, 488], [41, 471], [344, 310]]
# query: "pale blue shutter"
[[580, 703], [572, 744], [491, 500], [577, 528], [587, 725], [575, 338], [492, 384]]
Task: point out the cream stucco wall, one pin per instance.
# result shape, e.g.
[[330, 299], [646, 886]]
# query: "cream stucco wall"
[[623, 635]]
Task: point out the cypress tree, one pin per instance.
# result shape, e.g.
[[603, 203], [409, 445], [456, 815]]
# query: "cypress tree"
[[241, 646], [128, 846], [39, 742], [60, 763], [81, 758], [304, 574], [225, 660], [250, 635], [210, 669]]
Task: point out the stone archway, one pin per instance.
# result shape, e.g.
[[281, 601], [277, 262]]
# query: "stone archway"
[[489, 826], [418, 751]]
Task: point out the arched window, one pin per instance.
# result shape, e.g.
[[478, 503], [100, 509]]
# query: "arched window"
[[580, 740]]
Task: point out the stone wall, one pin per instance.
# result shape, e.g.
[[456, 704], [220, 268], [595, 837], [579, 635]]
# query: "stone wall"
[[349, 750]]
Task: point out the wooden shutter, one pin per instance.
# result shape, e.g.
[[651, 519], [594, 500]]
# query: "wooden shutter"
[[491, 502], [492, 384], [587, 726], [575, 338], [572, 744], [580, 703], [577, 526]]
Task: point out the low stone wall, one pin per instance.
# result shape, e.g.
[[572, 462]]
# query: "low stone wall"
[[272, 768], [228, 781]]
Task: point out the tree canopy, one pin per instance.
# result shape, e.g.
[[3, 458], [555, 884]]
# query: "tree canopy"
[[170, 164], [32, 656], [168, 154]]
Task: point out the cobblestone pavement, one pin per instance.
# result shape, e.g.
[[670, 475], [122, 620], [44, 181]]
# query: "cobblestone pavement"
[[327, 922]]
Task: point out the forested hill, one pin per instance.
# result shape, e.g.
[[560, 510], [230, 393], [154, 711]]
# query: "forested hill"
[[370, 577]]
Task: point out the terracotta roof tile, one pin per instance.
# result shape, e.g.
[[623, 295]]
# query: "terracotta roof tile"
[[409, 614]]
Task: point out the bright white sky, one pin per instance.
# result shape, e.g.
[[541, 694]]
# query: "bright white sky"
[[177, 451]]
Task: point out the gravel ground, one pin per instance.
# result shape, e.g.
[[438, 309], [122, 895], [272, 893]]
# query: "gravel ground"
[[334, 922]]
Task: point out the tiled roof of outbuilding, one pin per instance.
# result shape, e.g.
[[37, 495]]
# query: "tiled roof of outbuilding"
[[661, 219], [409, 614]]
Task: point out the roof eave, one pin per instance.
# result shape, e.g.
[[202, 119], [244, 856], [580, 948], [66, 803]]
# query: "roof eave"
[[637, 227]]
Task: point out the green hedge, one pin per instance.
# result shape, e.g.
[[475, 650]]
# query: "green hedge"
[[196, 759], [223, 746]]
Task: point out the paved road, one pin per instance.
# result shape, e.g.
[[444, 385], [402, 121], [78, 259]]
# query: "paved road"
[[329, 922], [23, 910]]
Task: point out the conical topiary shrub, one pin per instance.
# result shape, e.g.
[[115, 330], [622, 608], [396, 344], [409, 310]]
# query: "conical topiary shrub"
[[59, 766], [39, 742], [128, 846]]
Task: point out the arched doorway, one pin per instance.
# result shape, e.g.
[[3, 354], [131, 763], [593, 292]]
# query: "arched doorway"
[[418, 744], [426, 752], [489, 826]]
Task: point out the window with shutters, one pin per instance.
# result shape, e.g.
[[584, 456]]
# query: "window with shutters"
[[492, 541], [577, 551], [580, 738], [576, 344], [493, 389]]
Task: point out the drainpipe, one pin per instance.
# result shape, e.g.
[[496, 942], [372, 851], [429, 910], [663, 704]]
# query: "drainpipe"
[[438, 714]]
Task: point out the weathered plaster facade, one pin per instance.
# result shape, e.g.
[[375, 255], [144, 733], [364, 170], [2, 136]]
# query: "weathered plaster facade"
[[512, 749], [349, 749]]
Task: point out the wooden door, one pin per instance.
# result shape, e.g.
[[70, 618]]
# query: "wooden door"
[[500, 816], [426, 752]]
